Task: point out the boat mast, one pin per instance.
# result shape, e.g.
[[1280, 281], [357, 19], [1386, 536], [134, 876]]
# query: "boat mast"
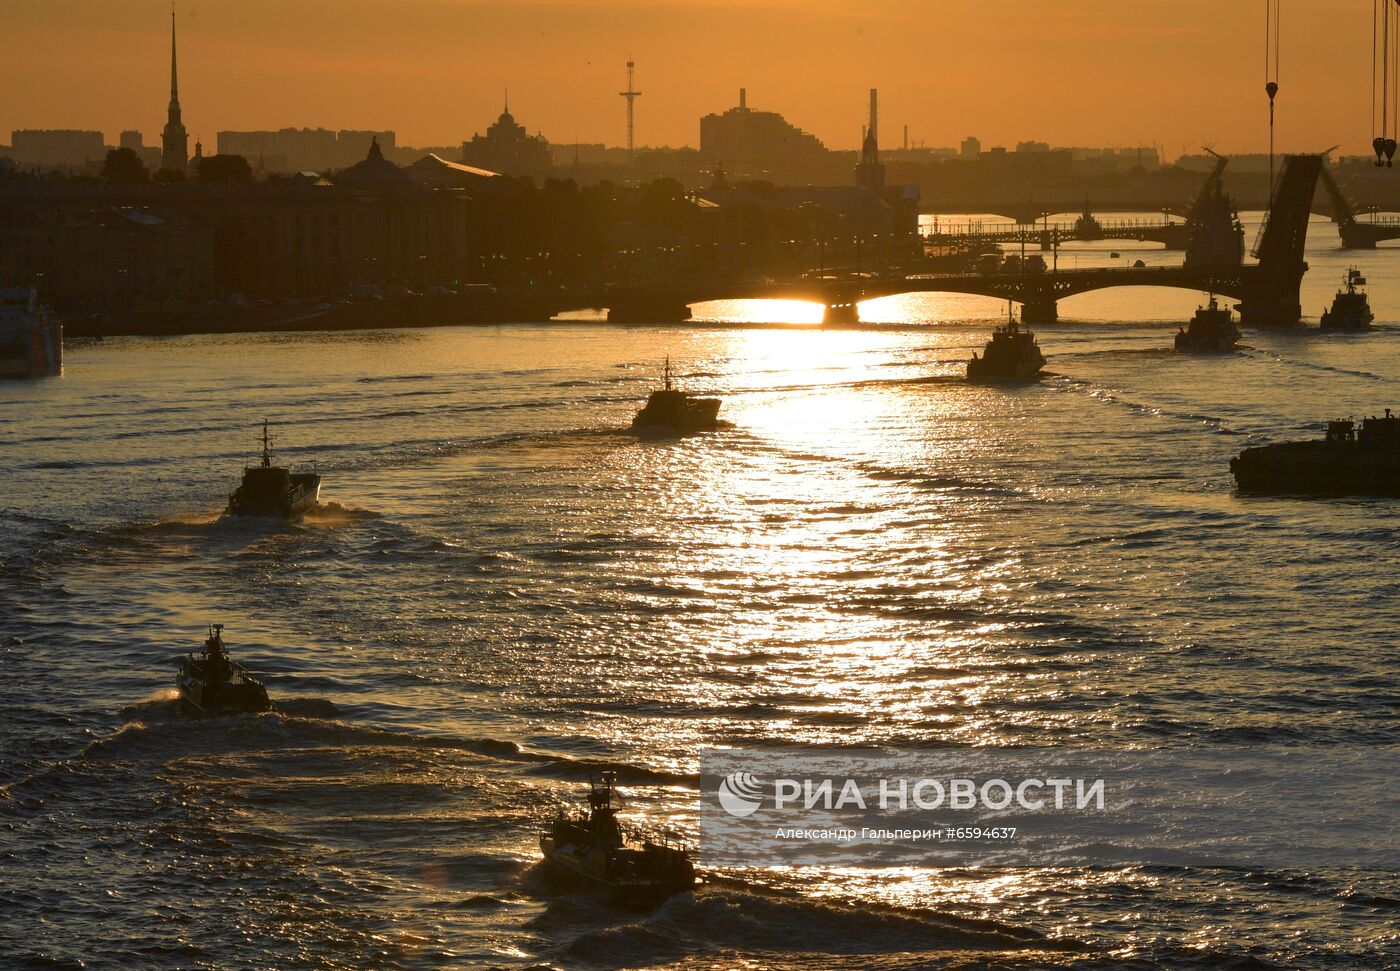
[[667, 373], [267, 447]]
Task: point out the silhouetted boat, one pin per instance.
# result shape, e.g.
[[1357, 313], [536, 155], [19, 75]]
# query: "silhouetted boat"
[[597, 851], [1011, 355], [671, 410], [1351, 309], [1211, 330], [213, 684], [31, 343], [272, 491], [1348, 461]]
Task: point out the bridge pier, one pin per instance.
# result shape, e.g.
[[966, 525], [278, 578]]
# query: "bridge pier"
[[841, 312], [1275, 300], [1039, 312], [1269, 309], [648, 310]]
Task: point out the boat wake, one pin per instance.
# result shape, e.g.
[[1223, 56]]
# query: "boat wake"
[[334, 512], [799, 930]]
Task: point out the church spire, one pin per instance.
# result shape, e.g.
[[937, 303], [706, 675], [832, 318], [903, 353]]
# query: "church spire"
[[174, 82], [174, 140]]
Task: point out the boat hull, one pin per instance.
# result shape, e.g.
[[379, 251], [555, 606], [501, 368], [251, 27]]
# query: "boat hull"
[[694, 415], [301, 498], [201, 696], [981, 372], [1317, 468], [32, 350], [592, 869], [1346, 321]]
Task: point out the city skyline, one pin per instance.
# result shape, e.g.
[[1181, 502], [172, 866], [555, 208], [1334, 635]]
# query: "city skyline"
[[364, 66]]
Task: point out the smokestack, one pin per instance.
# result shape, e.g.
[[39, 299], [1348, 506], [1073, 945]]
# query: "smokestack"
[[743, 99], [906, 138], [875, 113]]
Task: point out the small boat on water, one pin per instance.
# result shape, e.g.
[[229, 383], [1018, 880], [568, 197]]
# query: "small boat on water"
[[272, 491], [597, 851], [214, 684], [669, 409], [1348, 461], [31, 342], [1212, 330], [1011, 355], [1351, 308]]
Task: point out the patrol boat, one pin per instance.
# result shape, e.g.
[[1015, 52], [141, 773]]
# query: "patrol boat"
[[1348, 461], [1351, 309], [1210, 330], [270, 490], [1011, 355], [670, 410], [31, 342], [214, 684], [599, 852]]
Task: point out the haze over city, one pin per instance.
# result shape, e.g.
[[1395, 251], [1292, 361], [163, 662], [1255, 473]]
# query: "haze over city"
[[1079, 72]]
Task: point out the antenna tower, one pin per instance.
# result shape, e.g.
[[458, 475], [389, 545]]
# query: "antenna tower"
[[631, 94]]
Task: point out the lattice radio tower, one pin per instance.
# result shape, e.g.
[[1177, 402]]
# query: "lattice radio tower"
[[631, 95]]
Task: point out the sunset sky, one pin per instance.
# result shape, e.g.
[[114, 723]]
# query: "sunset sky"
[[1070, 72]]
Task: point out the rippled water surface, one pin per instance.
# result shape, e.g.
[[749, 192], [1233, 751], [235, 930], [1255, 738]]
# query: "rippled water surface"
[[507, 592]]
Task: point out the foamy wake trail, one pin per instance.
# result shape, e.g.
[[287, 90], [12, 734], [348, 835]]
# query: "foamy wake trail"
[[334, 512]]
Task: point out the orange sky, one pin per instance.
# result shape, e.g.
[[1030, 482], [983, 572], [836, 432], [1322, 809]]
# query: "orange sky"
[[1071, 72]]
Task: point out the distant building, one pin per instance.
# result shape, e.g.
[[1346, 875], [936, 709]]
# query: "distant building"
[[753, 143], [148, 247], [174, 140], [1032, 146], [95, 255], [509, 149], [971, 148], [57, 148], [303, 149]]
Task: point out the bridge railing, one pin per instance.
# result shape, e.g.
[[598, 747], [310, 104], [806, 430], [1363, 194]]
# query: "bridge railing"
[[982, 230]]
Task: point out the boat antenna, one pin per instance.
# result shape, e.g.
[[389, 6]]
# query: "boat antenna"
[[267, 447]]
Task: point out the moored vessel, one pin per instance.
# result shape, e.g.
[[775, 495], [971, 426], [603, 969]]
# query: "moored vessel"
[[596, 850], [1347, 461], [669, 409], [1211, 330], [31, 342], [1351, 308], [214, 684], [1011, 355], [273, 491]]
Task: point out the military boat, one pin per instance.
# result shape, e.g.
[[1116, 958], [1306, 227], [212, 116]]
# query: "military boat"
[[675, 411], [1211, 330], [1348, 461], [1011, 355], [272, 491], [31, 342], [214, 684], [596, 850], [1351, 309]]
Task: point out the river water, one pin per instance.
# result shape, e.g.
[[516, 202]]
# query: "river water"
[[506, 592]]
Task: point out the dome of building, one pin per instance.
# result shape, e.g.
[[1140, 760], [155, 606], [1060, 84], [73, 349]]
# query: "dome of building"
[[374, 170]]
